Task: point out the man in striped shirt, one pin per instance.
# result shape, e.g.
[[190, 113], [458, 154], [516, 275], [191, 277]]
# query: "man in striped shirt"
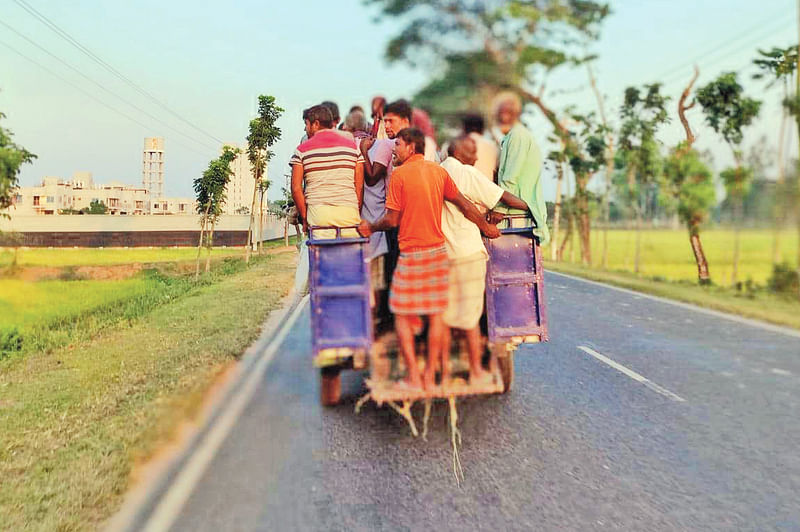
[[327, 174]]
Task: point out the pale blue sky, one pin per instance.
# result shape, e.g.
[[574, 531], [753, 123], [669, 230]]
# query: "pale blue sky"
[[208, 61]]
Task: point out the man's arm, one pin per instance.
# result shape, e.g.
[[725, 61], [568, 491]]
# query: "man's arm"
[[374, 171], [514, 202], [473, 215], [359, 183], [390, 220], [298, 195]]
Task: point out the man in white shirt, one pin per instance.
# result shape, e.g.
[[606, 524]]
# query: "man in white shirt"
[[467, 252], [487, 150]]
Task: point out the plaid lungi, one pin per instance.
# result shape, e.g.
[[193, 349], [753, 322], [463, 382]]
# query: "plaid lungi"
[[419, 284]]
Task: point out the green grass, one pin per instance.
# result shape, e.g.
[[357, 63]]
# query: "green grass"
[[59, 257], [760, 304], [74, 420], [667, 254]]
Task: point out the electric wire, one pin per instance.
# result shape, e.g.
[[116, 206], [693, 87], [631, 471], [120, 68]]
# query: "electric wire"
[[104, 88], [88, 94], [94, 57]]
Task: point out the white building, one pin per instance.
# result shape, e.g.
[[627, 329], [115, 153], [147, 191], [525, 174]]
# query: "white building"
[[239, 192], [153, 166]]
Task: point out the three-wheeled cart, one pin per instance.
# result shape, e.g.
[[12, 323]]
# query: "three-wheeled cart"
[[343, 335]]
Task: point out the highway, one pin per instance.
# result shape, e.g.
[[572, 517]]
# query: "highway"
[[637, 415]]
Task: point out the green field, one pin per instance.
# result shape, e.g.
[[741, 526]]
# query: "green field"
[[666, 254], [57, 257], [123, 363]]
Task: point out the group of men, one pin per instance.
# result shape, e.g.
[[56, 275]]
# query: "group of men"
[[424, 219]]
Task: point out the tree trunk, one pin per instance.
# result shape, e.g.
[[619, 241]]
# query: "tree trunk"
[[286, 231], [567, 237], [699, 255], [252, 221], [778, 209], [609, 162], [261, 223], [638, 247], [554, 254], [584, 223], [200, 243], [210, 242], [736, 231]]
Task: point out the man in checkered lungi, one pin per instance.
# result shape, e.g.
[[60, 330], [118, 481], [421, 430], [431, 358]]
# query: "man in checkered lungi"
[[414, 203]]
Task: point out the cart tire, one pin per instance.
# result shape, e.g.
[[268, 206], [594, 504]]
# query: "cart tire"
[[506, 364], [330, 386]]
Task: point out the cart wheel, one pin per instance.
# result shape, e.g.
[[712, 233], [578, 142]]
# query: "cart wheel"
[[330, 386], [506, 364]]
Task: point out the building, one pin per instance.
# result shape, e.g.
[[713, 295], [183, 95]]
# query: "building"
[[239, 192], [56, 196], [153, 167]]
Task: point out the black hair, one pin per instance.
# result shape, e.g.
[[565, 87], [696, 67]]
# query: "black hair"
[[334, 110], [415, 136], [400, 108], [473, 123], [321, 114]]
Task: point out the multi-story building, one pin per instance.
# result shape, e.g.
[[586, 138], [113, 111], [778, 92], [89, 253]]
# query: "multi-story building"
[[153, 167], [56, 196], [239, 192]]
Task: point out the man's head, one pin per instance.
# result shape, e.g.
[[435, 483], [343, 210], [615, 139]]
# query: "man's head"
[[355, 108], [408, 142], [464, 149], [396, 116], [507, 109], [377, 104], [334, 112], [473, 124], [316, 118], [355, 121]]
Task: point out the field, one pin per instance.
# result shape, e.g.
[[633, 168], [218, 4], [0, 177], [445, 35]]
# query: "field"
[[667, 255], [57, 257], [109, 369]]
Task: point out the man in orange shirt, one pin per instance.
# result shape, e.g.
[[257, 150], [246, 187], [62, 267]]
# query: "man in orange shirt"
[[414, 203]]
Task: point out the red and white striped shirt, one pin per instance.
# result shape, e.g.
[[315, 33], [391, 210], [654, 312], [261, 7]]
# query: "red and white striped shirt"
[[329, 161]]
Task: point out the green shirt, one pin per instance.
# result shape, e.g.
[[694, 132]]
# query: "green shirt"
[[520, 172]]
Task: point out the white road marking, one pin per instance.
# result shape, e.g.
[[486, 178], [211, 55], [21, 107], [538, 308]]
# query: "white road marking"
[[778, 371], [178, 493], [732, 317], [632, 374]]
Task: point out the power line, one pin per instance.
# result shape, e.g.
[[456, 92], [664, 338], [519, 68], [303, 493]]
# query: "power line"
[[101, 86], [90, 95], [94, 57]]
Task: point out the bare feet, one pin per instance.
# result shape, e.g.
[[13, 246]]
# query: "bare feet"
[[409, 384], [429, 380], [477, 376]]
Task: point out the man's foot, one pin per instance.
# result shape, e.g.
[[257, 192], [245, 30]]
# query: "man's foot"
[[408, 385], [429, 381], [479, 377]]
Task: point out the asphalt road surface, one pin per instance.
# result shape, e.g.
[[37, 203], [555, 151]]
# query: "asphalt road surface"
[[637, 415]]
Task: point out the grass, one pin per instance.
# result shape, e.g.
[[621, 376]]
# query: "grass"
[[74, 420], [760, 304], [666, 254], [60, 257]]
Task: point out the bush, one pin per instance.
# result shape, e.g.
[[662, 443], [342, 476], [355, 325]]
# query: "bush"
[[784, 279], [10, 341]]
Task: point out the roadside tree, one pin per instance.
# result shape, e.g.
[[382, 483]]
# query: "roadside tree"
[[12, 157], [263, 134], [210, 192], [95, 207], [728, 111], [642, 113]]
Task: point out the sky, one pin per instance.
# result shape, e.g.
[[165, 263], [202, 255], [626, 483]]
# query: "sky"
[[196, 69]]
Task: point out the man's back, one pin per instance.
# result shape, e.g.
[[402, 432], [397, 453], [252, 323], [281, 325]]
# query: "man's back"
[[329, 160]]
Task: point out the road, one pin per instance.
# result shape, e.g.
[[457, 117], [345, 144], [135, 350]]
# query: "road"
[[709, 440]]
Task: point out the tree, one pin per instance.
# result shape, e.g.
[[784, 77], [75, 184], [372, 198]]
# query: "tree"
[[642, 113], [12, 157], [779, 64], [96, 207], [263, 134], [263, 187], [210, 192], [586, 154], [728, 111], [480, 48]]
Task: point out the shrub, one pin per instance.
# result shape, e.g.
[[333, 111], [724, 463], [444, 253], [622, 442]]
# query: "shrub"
[[784, 279], [10, 341]]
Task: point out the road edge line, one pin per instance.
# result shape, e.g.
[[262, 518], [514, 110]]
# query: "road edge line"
[[142, 502], [752, 322]]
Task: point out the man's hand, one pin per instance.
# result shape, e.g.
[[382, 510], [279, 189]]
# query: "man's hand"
[[366, 144], [491, 231], [364, 228], [305, 226], [495, 217]]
